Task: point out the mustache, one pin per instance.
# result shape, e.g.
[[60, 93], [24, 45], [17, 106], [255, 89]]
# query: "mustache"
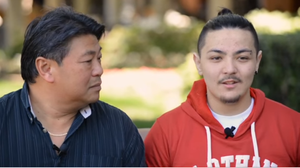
[[229, 77]]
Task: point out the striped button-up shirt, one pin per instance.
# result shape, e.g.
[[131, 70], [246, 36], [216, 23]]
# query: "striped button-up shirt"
[[105, 137]]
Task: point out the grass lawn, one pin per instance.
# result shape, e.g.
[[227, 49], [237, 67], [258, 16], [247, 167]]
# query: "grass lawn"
[[142, 113]]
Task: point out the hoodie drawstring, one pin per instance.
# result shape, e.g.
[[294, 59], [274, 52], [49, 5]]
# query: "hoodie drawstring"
[[256, 159], [209, 163]]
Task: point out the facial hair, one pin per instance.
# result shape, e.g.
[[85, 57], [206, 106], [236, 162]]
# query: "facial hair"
[[230, 100], [229, 77]]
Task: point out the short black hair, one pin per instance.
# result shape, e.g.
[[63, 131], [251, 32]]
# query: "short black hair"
[[49, 37], [226, 19]]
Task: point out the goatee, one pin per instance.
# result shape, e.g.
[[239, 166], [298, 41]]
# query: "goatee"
[[230, 100]]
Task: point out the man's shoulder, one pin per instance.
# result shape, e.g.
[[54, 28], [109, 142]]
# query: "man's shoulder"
[[281, 110], [111, 116], [105, 106], [173, 115], [277, 105], [9, 104], [9, 98], [107, 109]]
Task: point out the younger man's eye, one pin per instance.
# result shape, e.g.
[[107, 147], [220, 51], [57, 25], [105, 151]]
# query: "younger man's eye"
[[216, 58], [244, 58]]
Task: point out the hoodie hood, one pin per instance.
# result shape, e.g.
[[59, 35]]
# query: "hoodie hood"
[[197, 108], [196, 105]]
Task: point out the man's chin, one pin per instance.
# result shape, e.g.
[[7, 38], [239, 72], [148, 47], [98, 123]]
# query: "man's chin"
[[230, 100], [94, 99]]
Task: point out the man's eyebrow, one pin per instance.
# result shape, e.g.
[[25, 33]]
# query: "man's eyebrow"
[[91, 52], [242, 51], [217, 51], [236, 53]]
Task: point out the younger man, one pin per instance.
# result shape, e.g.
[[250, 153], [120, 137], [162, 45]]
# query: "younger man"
[[225, 122]]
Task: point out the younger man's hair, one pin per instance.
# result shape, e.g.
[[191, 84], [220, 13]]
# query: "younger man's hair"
[[226, 19]]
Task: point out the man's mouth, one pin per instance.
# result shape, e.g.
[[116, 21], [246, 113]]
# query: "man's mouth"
[[229, 82], [96, 85]]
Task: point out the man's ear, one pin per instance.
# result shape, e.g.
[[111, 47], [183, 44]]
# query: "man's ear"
[[197, 61], [258, 59], [43, 67]]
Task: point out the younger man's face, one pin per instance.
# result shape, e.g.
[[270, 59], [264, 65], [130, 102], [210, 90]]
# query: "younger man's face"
[[228, 62]]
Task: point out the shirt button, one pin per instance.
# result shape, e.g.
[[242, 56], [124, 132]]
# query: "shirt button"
[[44, 130]]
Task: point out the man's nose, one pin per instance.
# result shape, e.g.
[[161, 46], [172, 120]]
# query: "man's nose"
[[97, 69], [229, 67]]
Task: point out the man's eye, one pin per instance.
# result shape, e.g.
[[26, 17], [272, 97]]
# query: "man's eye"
[[89, 61], [216, 58], [243, 58]]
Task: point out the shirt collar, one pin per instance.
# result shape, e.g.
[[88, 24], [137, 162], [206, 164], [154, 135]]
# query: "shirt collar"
[[26, 102], [85, 112]]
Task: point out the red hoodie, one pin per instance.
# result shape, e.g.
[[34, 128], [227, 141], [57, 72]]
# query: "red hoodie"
[[190, 136]]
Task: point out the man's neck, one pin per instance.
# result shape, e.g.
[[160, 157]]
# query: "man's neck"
[[49, 110]]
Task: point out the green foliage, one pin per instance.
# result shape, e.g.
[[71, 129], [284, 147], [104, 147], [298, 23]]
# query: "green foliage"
[[143, 123], [279, 75], [163, 47], [16, 48]]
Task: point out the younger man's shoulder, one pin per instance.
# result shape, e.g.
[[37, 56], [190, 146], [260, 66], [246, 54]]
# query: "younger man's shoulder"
[[176, 114], [280, 109]]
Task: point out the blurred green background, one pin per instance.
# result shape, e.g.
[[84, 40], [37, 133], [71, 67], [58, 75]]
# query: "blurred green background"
[[147, 55]]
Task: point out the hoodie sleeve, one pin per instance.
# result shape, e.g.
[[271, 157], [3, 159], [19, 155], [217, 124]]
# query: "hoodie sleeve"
[[157, 147], [298, 154]]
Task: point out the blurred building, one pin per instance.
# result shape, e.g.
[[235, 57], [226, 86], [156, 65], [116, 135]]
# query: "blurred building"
[[16, 14]]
